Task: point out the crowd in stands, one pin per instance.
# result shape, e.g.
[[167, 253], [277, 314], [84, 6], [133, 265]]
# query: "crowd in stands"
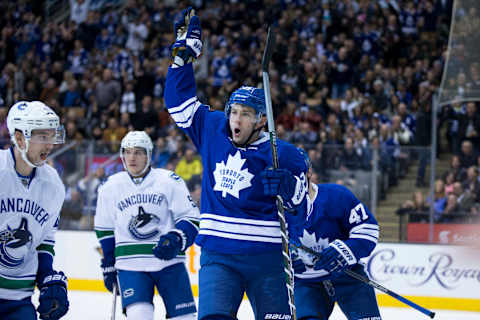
[[350, 79]]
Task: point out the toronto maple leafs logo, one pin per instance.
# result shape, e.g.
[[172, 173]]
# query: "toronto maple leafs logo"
[[309, 240], [230, 177], [15, 245]]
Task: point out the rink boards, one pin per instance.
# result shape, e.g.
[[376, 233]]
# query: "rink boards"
[[434, 276]]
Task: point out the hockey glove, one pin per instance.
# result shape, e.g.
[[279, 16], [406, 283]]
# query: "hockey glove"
[[335, 258], [109, 275], [53, 300], [281, 182], [298, 266], [169, 246], [188, 44]]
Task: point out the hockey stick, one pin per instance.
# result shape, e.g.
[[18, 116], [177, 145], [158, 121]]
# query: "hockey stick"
[[374, 284], [287, 262], [114, 302]]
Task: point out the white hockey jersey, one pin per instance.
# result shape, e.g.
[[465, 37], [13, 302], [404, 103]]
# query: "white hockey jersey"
[[28, 222], [138, 214]]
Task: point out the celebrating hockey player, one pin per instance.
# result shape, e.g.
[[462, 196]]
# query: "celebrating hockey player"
[[145, 221], [342, 230], [239, 229], [31, 196]]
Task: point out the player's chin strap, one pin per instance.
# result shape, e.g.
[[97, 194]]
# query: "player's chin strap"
[[23, 153], [244, 145]]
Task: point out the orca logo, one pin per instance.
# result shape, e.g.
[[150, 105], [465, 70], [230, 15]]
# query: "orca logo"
[[15, 244], [143, 225]]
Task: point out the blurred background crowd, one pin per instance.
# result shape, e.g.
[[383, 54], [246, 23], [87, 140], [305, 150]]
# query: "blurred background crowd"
[[352, 82]]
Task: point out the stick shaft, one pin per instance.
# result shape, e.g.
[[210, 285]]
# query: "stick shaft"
[[374, 284], [287, 262], [114, 302]]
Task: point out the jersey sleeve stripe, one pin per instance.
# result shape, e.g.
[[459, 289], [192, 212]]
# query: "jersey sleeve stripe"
[[183, 106], [237, 236], [184, 119], [363, 236], [47, 248], [373, 233], [101, 235], [365, 226], [195, 222], [247, 229], [262, 223]]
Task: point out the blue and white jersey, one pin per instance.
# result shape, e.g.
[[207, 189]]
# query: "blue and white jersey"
[[336, 214], [236, 216]]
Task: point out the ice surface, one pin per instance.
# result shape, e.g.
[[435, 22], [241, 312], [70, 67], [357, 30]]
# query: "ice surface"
[[86, 305]]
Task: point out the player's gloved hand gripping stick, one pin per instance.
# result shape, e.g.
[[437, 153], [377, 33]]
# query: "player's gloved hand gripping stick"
[[324, 262]]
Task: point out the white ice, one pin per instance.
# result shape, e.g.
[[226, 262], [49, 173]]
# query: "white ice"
[[86, 305]]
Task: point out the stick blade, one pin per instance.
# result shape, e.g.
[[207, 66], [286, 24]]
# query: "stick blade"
[[269, 47]]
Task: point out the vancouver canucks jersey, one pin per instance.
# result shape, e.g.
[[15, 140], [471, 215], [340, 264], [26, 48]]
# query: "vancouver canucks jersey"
[[336, 214], [136, 215], [29, 216], [236, 216]]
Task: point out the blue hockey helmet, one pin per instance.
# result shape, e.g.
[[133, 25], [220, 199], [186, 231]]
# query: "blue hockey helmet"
[[306, 158], [250, 97]]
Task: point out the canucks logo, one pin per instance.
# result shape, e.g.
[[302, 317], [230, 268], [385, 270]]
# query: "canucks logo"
[[144, 225], [230, 177], [15, 244]]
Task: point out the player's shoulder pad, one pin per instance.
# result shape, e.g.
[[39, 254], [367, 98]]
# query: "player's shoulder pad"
[[337, 192], [291, 157], [49, 174], [167, 176], [3, 158], [113, 181]]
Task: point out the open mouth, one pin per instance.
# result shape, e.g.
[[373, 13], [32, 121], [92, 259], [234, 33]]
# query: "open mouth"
[[43, 156], [236, 132]]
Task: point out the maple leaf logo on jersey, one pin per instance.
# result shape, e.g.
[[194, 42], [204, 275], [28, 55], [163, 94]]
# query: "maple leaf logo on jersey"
[[310, 240], [230, 177]]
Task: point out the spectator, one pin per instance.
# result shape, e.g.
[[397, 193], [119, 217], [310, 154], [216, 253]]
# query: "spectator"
[[468, 156], [469, 125], [71, 97], [128, 100], [423, 140], [88, 188], [113, 134], [137, 34], [160, 155], [189, 165], [146, 118], [416, 209], [79, 10], [349, 158], [439, 200], [464, 198], [107, 91]]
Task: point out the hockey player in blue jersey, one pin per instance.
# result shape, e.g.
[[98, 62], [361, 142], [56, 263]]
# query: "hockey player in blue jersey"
[[342, 230], [239, 228]]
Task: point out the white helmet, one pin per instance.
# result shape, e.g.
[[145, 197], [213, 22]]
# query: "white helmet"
[[27, 116], [137, 139]]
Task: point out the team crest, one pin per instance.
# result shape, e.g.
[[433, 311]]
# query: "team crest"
[[144, 225], [309, 240], [15, 244], [230, 177]]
